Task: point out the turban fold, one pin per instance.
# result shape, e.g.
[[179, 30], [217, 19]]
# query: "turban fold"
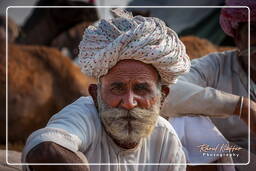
[[146, 39], [231, 17]]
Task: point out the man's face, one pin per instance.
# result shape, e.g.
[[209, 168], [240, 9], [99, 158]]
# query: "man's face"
[[129, 100], [241, 35], [241, 40]]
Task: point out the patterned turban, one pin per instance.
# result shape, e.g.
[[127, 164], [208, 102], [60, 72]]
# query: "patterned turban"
[[231, 17], [145, 39]]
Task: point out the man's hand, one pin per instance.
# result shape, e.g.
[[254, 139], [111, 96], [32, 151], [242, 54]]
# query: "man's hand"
[[49, 152], [245, 112]]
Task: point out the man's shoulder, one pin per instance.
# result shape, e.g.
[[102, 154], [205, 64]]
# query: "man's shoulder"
[[82, 103], [83, 107], [220, 56], [214, 61], [87, 100]]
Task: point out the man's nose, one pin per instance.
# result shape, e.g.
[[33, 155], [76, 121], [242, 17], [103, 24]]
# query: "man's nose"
[[129, 101]]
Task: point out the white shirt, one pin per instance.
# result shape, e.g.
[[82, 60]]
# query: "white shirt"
[[78, 128], [196, 132]]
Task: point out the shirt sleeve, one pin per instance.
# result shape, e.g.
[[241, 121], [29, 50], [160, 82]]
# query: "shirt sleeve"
[[204, 71], [73, 128], [193, 93]]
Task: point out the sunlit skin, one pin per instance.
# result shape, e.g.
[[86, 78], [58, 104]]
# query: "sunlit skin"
[[130, 84]]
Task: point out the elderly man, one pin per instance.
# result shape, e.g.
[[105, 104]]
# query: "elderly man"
[[133, 59], [217, 86]]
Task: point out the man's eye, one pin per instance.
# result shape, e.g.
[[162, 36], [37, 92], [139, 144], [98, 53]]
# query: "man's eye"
[[141, 88], [117, 89]]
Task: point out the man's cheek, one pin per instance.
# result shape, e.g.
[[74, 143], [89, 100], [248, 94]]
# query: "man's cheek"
[[111, 100]]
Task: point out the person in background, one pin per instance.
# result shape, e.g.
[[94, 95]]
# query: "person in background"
[[218, 86]]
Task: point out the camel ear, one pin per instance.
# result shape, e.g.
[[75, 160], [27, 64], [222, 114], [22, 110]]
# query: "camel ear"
[[93, 92]]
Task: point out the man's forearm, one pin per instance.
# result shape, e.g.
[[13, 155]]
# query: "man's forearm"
[[49, 152], [242, 110], [189, 99]]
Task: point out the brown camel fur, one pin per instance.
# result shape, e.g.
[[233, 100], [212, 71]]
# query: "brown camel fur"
[[70, 39], [197, 47], [45, 24], [41, 81]]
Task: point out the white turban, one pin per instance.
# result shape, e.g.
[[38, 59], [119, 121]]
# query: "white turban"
[[146, 39]]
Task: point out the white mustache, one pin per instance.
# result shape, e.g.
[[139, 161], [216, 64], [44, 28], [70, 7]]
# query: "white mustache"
[[128, 125], [136, 114]]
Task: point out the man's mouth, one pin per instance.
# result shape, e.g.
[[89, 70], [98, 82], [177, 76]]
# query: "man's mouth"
[[128, 118]]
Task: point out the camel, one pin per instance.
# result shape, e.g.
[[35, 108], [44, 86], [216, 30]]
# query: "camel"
[[69, 40], [45, 24], [197, 47], [41, 81]]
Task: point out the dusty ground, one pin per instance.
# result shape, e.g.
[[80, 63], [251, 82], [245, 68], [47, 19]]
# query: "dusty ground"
[[13, 157]]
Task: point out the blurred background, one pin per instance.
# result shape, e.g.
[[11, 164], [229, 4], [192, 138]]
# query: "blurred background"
[[43, 75]]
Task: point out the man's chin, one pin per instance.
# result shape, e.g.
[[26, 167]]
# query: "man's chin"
[[128, 135]]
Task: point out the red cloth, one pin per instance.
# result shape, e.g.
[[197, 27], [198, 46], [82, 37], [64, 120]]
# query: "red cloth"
[[231, 17]]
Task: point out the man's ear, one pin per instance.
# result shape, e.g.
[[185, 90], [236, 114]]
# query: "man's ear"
[[165, 91], [92, 89]]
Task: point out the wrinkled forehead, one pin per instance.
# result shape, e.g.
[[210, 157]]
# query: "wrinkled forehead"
[[132, 70]]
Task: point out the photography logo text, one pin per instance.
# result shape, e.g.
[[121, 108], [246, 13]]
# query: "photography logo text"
[[220, 150]]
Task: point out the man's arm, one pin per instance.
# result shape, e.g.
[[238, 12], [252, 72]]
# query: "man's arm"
[[186, 98], [71, 130], [242, 110], [49, 152], [194, 95]]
